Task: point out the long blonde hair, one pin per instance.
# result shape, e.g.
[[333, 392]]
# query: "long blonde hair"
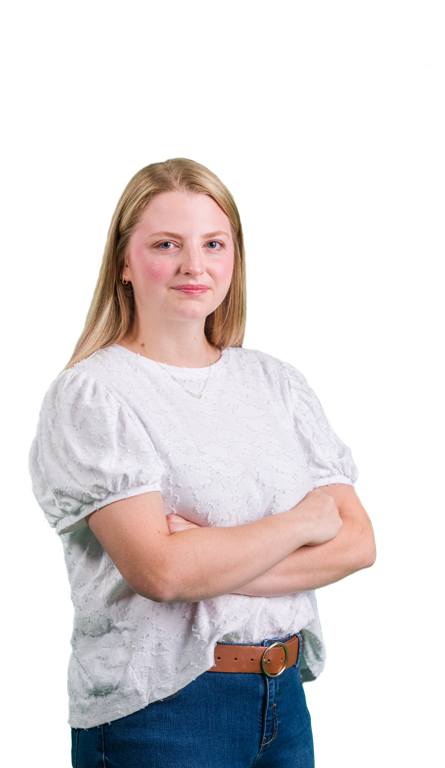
[[112, 309]]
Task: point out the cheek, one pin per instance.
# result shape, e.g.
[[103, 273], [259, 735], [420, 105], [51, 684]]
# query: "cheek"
[[156, 271], [226, 270]]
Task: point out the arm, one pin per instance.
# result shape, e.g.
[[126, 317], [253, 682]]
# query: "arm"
[[313, 567], [199, 565]]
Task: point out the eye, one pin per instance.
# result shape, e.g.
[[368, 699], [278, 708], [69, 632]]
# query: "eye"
[[165, 246], [214, 245], [168, 242]]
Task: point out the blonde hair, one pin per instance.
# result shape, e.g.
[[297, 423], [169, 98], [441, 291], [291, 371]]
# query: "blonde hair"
[[112, 309]]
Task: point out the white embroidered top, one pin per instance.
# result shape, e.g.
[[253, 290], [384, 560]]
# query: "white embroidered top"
[[117, 425]]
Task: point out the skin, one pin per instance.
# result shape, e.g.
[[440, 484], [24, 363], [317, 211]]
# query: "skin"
[[170, 323], [177, 523], [312, 567]]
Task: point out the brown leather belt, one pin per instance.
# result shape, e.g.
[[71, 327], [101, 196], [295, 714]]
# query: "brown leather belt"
[[272, 659]]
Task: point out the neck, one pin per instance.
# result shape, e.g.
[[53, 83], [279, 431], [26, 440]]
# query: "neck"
[[172, 359]]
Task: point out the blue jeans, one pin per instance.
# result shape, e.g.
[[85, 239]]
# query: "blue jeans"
[[220, 720]]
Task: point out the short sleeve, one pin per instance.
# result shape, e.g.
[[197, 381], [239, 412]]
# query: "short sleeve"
[[89, 451], [329, 459]]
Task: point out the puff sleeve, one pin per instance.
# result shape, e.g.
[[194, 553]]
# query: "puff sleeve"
[[89, 451], [329, 459]]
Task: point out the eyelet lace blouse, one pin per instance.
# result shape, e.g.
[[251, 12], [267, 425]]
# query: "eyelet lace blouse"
[[116, 425]]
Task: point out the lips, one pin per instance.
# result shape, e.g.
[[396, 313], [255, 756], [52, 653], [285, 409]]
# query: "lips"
[[191, 288]]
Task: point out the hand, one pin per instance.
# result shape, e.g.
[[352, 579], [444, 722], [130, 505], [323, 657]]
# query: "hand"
[[177, 523], [322, 516]]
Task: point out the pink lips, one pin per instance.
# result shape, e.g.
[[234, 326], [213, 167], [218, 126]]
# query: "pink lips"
[[191, 289]]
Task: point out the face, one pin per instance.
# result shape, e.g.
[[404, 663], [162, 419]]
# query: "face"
[[180, 257]]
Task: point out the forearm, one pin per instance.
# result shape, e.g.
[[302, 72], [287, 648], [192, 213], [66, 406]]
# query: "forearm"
[[314, 567], [215, 561]]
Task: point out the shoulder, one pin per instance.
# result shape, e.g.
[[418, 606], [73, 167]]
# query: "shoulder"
[[272, 364], [87, 383], [128, 343]]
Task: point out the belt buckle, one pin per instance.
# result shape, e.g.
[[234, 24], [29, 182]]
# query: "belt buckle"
[[267, 661]]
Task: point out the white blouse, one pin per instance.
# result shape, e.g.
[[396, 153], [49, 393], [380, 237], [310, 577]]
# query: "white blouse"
[[117, 425]]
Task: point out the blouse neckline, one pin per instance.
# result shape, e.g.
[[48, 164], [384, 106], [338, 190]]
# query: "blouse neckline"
[[146, 360]]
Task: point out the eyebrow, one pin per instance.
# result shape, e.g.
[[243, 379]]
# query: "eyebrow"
[[176, 234]]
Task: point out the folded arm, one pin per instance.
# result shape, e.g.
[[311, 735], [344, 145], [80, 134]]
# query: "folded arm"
[[312, 567]]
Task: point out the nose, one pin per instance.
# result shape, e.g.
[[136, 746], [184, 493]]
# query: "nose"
[[192, 261]]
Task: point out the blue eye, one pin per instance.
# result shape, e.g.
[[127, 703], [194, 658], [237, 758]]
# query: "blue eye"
[[168, 242], [213, 245]]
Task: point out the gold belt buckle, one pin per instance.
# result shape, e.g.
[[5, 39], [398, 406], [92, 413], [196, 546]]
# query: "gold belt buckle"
[[267, 661]]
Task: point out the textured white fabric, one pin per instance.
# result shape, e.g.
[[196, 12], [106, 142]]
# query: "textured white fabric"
[[117, 425]]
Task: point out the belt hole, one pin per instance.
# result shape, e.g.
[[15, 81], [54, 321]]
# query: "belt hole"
[[251, 659], [236, 659], [218, 657]]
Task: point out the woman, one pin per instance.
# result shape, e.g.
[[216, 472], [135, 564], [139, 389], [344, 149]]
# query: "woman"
[[200, 494]]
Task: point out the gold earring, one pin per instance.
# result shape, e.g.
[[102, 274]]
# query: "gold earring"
[[124, 281]]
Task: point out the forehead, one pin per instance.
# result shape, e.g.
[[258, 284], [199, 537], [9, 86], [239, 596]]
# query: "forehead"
[[183, 212]]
